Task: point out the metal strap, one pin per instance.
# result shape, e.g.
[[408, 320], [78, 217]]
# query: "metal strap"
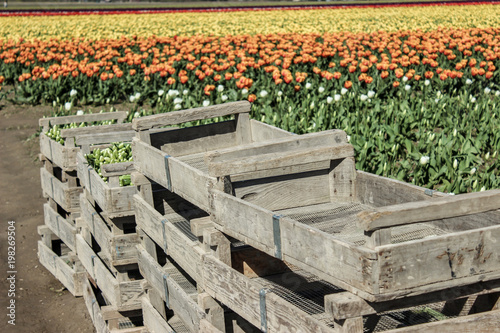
[[90, 183], [57, 222], [167, 172], [165, 286], [277, 236], [93, 223], [50, 148], [93, 275], [429, 192], [263, 311], [165, 247], [52, 186]]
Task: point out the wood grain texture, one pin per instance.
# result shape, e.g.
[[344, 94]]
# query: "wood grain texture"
[[178, 299], [264, 132], [279, 160], [182, 116], [62, 156], [51, 121], [92, 130], [69, 276], [153, 320], [278, 145], [66, 196], [62, 228], [421, 211]]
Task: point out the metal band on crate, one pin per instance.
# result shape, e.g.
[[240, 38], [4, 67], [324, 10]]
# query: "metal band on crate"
[[90, 183], [93, 275], [429, 192], [52, 186], [165, 286], [57, 223], [54, 257], [93, 223], [50, 148], [263, 310], [277, 236], [165, 247], [167, 172]]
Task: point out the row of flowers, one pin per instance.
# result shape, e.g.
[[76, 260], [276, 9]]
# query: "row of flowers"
[[368, 20]]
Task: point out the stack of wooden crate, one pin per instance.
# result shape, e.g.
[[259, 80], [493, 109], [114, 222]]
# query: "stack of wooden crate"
[[238, 226], [277, 232], [61, 187]]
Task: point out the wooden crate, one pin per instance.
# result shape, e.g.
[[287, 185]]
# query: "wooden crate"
[[113, 199], [116, 237], [174, 158], [176, 290], [64, 156], [248, 282], [63, 228], [106, 318], [376, 237], [60, 261], [191, 256], [123, 292]]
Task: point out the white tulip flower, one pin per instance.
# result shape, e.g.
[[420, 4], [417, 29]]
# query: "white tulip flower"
[[220, 88], [371, 94], [321, 90], [336, 97], [308, 85], [206, 103], [329, 99], [343, 91], [244, 91], [67, 106], [424, 160], [80, 113], [263, 93], [161, 92], [73, 92], [224, 98], [468, 81], [427, 82]]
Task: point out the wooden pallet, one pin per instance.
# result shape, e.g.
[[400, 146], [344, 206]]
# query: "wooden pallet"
[[64, 156], [105, 317], [113, 199], [117, 237], [167, 156], [120, 290], [60, 261]]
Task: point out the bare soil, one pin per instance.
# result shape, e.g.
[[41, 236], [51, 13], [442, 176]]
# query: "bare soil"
[[42, 303]]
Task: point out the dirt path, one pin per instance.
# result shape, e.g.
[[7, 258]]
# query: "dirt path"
[[41, 303]]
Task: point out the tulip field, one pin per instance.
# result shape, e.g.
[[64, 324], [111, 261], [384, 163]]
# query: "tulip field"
[[416, 88]]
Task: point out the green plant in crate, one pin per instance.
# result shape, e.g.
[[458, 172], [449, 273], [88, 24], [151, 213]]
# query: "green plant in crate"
[[118, 152]]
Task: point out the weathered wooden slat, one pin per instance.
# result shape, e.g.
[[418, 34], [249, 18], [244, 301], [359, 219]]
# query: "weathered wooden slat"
[[67, 197], [278, 145], [153, 320], [63, 229], [117, 169], [243, 296], [182, 116], [380, 191], [184, 251], [480, 322], [112, 135], [69, 276], [62, 156], [93, 308], [421, 211], [264, 132], [280, 160], [196, 139], [173, 174], [459, 258], [79, 131], [345, 305], [287, 191], [177, 299], [51, 121]]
